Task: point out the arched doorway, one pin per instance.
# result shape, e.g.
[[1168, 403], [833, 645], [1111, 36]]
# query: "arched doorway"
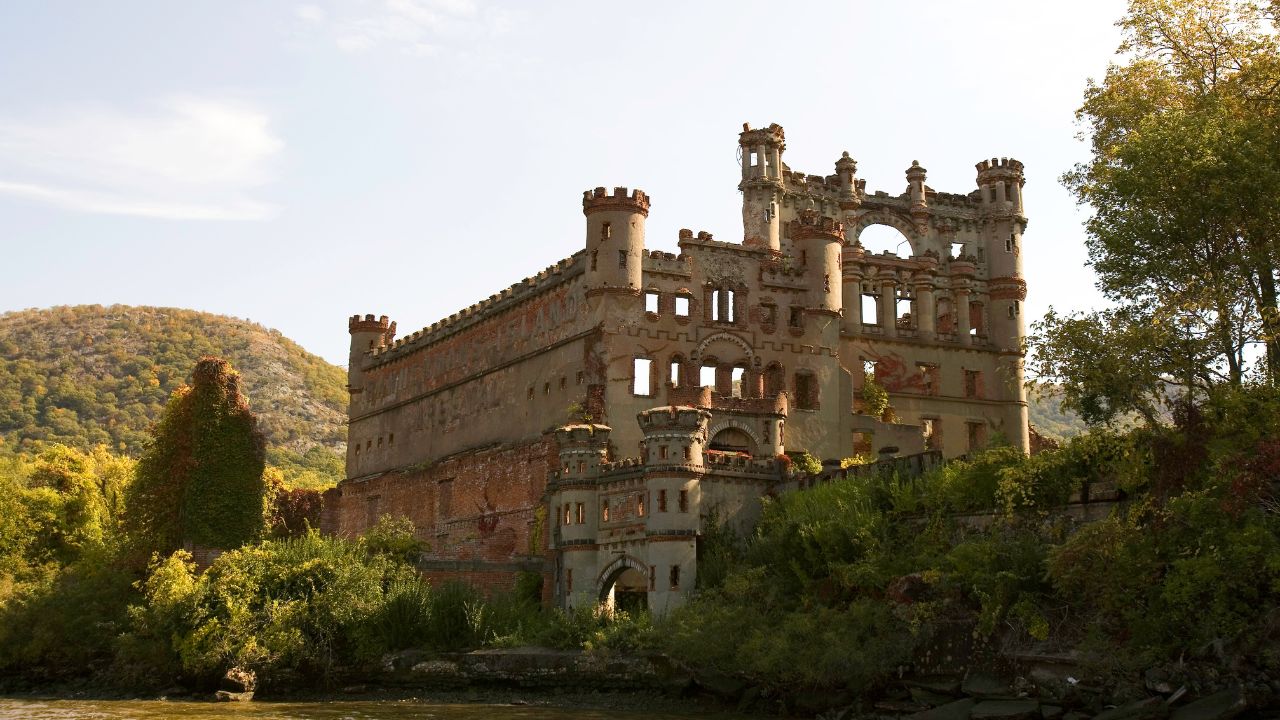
[[732, 439], [626, 589]]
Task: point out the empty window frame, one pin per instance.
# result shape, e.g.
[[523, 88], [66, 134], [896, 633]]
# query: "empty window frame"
[[651, 302], [622, 258], [972, 383], [674, 371], [581, 512], [722, 306], [870, 309], [796, 319], [977, 435], [707, 376], [682, 306], [806, 391], [684, 501], [605, 231], [928, 378], [675, 577], [662, 501], [735, 378], [642, 380], [931, 428]]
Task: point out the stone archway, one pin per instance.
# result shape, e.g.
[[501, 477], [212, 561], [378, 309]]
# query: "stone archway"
[[734, 435], [624, 585], [891, 220]]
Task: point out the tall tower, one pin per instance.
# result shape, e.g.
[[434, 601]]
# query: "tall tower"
[[761, 185], [615, 239], [367, 334], [820, 240], [1000, 184]]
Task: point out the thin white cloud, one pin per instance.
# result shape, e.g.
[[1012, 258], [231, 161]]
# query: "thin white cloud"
[[412, 27], [187, 158]]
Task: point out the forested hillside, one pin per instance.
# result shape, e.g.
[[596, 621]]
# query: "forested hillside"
[[90, 375], [1044, 405]]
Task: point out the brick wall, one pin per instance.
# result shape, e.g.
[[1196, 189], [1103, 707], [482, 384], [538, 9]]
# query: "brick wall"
[[479, 505]]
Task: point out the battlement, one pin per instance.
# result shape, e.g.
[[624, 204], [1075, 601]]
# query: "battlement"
[[584, 435], [369, 323], [772, 135], [599, 200], [998, 167], [811, 225], [530, 287], [672, 417]]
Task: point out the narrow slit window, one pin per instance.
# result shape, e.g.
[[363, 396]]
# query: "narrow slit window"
[[675, 373], [736, 376], [662, 501], [684, 501], [582, 513], [605, 231], [675, 577]]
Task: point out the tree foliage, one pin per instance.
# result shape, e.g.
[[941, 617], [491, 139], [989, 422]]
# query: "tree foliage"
[[201, 480], [1184, 188], [91, 375]]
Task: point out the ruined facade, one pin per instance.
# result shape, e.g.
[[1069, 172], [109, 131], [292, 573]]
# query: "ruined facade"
[[584, 422]]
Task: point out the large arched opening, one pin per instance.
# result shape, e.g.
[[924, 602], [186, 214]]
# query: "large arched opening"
[[732, 439], [878, 238], [626, 589]]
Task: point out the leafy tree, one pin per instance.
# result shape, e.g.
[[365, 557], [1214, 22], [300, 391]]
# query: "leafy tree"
[[1184, 184], [201, 481]]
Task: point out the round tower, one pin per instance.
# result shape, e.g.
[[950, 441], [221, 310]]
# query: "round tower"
[[583, 448], [761, 155], [367, 334], [615, 239], [1000, 182], [674, 440], [820, 240]]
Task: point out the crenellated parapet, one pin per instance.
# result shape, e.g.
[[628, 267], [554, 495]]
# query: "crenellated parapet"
[[598, 200], [527, 289], [368, 323], [811, 225]]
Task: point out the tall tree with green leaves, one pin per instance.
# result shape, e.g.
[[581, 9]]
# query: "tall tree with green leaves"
[[1184, 188], [200, 482]]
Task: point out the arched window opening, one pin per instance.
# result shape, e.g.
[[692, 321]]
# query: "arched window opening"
[[878, 239]]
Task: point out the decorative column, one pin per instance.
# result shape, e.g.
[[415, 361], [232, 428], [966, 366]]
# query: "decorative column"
[[960, 297], [926, 308], [889, 307]]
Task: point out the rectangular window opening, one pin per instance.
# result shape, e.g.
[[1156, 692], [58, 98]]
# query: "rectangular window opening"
[[640, 382], [682, 306], [662, 452], [870, 309], [662, 501], [581, 509], [684, 501], [675, 373], [957, 249], [707, 376], [735, 377], [797, 317], [622, 258], [651, 302], [675, 577]]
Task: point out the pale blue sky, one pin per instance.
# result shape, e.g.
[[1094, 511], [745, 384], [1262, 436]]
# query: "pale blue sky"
[[295, 163]]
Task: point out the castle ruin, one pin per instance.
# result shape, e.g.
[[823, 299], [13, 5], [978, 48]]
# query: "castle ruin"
[[584, 422]]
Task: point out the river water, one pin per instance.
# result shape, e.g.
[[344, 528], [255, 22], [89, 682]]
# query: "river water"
[[388, 709]]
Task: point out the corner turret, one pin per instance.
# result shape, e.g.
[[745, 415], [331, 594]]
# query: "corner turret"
[[615, 239], [367, 334], [761, 185], [820, 240]]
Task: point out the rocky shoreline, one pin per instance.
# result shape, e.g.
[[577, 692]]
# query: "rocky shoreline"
[[1037, 687]]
